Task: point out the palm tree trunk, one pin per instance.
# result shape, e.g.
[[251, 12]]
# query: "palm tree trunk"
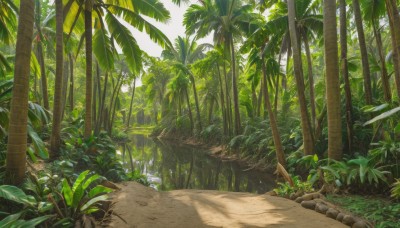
[[114, 109], [190, 111], [345, 73], [88, 95], [363, 51], [223, 109], [332, 81], [17, 131], [131, 105], [102, 102], [196, 99], [235, 89], [280, 155], [310, 81], [228, 102], [55, 140], [384, 74], [64, 88], [43, 78], [71, 82], [211, 111], [298, 73], [394, 20]]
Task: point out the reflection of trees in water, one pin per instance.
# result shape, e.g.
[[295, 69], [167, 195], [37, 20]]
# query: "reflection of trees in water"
[[186, 167]]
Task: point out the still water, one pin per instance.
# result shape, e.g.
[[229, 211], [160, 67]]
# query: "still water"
[[170, 167]]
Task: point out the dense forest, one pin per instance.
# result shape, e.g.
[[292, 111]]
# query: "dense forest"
[[308, 87]]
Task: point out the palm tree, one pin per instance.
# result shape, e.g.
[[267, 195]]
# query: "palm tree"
[[227, 19], [345, 73], [88, 48], [394, 21], [298, 73], [332, 81], [363, 51], [17, 134], [57, 106], [184, 53]]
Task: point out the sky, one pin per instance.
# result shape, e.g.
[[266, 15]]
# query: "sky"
[[172, 29]]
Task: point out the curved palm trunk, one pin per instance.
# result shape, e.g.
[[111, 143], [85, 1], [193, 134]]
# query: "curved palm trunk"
[[332, 81], [310, 81], [131, 105], [17, 132], [345, 73], [223, 110], [363, 51], [308, 140], [55, 140], [102, 102], [235, 90], [88, 95], [196, 99], [394, 21], [280, 155], [228, 102], [384, 74]]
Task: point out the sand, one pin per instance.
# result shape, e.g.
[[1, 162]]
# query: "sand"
[[141, 206]]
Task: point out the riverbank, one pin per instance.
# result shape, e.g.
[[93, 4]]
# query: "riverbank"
[[140, 206], [219, 151]]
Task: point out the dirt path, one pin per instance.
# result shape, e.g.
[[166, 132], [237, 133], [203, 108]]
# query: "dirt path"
[[144, 207]]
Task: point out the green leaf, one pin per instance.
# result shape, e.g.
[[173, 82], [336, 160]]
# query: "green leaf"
[[102, 49], [80, 179], [125, 40], [382, 116], [66, 189], [9, 220], [93, 201], [38, 143], [99, 190], [15, 194], [34, 222]]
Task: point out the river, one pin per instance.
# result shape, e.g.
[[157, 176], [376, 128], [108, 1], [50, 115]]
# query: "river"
[[169, 167]]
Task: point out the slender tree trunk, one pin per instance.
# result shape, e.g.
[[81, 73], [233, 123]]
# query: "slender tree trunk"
[[64, 88], [280, 155], [102, 102], [131, 105], [190, 111], [96, 81], [17, 131], [196, 99], [71, 82], [310, 80], [211, 111], [332, 81], [235, 90], [113, 103], [114, 109], [394, 21], [55, 140], [259, 100], [223, 109], [363, 51], [88, 96], [384, 74], [298, 72], [228, 102], [345, 73], [43, 78]]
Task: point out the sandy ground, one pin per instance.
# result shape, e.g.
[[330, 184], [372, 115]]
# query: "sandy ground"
[[140, 206]]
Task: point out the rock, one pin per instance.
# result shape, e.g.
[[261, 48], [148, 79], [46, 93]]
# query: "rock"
[[110, 184], [308, 197], [321, 208], [292, 196], [332, 213], [299, 199], [340, 217], [311, 196], [348, 220], [271, 193], [309, 204], [360, 224]]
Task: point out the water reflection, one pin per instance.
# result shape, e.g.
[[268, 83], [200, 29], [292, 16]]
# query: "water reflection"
[[170, 167]]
